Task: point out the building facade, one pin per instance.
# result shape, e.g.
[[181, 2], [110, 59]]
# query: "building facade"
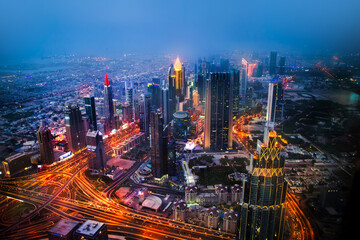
[[218, 112], [75, 130], [44, 138]]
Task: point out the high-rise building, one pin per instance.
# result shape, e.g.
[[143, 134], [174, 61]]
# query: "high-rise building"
[[158, 142], [130, 100], [91, 112], [196, 97], [218, 112], [75, 132], [95, 144], [167, 105], [155, 91], [272, 67], [177, 80], [108, 102], [282, 65], [44, 138], [236, 91], [181, 125], [144, 112], [262, 213], [201, 86], [243, 80], [224, 65]]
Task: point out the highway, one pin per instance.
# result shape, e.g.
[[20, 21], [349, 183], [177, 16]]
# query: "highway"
[[82, 201], [301, 228]]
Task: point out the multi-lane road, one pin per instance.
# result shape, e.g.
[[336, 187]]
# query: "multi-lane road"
[[76, 198]]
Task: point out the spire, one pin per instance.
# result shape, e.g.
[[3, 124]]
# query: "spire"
[[106, 80], [177, 64]]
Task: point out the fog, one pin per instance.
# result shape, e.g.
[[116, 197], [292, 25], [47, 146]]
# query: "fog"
[[40, 28]]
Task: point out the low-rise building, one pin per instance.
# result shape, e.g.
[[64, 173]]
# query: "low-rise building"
[[191, 194], [91, 230], [180, 210], [230, 221], [63, 230]]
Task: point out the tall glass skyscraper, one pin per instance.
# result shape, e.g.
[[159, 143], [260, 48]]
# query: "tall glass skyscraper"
[[218, 112], [272, 68], [75, 131], [45, 145], [158, 143], [91, 112], [236, 91], [108, 103], [262, 213]]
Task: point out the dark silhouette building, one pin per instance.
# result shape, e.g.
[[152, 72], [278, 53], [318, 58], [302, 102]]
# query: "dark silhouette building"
[[95, 144], [282, 66], [218, 112], [44, 138], [236, 91], [75, 131], [158, 142], [272, 67], [91, 112]]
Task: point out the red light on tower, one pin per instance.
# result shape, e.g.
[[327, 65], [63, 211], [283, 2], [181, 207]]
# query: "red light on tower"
[[106, 83]]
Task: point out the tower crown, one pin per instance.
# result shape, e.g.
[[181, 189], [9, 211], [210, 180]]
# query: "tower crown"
[[106, 83], [177, 64]]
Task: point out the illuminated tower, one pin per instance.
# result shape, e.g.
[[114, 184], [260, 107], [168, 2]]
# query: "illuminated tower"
[[108, 103], [218, 112], [75, 132], [262, 213], [180, 86], [45, 145]]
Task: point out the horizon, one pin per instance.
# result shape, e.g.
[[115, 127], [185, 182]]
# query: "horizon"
[[40, 28]]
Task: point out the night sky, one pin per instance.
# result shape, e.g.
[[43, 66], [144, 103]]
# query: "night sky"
[[39, 28]]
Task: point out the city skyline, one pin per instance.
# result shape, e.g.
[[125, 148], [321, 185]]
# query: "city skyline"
[[179, 120]]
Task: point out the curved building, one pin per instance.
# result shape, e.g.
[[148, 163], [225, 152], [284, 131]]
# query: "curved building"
[[181, 125]]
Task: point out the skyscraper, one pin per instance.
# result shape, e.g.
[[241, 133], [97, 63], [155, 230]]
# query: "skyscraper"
[[282, 66], [155, 91], [201, 86], [108, 103], [262, 213], [95, 144], [91, 112], [44, 138], [130, 99], [218, 112], [243, 80], [272, 67], [236, 91], [75, 132], [144, 112], [158, 142], [177, 83]]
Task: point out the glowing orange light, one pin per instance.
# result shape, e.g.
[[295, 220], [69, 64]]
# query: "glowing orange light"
[[177, 65], [251, 69]]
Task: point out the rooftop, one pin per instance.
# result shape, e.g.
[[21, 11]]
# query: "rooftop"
[[63, 227], [89, 227]]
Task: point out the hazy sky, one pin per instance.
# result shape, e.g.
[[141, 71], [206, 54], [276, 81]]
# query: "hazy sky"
[[35, 28]]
